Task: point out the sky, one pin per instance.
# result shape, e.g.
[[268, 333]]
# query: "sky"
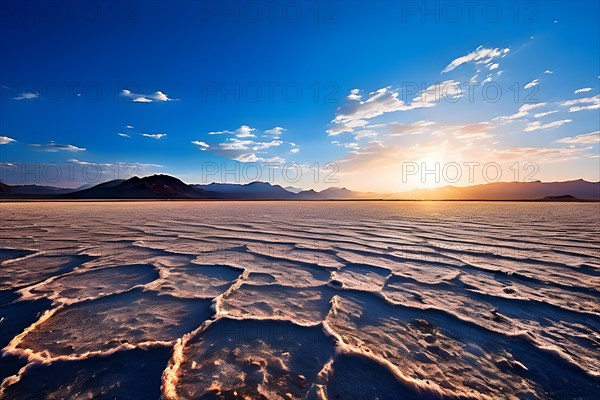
[[381, 96]]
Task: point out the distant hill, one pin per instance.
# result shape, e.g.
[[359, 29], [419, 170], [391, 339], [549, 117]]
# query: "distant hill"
[[169, 187], [32, 190], [335, 193], [567, 197], [536, 190], [254, 190], [293, 189]]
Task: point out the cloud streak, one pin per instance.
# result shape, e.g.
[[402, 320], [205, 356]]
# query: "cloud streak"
[[481, 56], [156, 136], [54, 147], [157, 96], [536, 125], [30, 95], [6, 140], [587, 138], [356, 113]]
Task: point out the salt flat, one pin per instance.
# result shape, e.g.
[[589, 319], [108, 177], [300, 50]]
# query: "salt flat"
[[406, 300]]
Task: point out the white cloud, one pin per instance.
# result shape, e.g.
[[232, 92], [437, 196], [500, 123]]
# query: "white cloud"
[[146, 98], [540, 115], [219, 132], [277, 131], [246, 149], [201, 145], [481, 55], [586, 138], [589, 103], [236, 144], [584, 108], [294, 151], [129, 126], [364, 133], [126, 165], [583, 90], [548, 72], [251, 157], [245, 131], [124, 135], [53, 147], [522, 112], [266, 145], [355, 114], [154, 135], [531, 84], [352, 147], [27, 96], [6, 140], [354, 95], [536, 125], [449, 90], [242, 146]]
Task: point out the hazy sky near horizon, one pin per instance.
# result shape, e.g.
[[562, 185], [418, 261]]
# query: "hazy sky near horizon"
[[366, 95]]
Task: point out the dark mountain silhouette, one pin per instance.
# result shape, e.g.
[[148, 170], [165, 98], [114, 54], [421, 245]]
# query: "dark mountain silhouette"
[[169, 187], [150, 187], [88, 185], [566, 197]]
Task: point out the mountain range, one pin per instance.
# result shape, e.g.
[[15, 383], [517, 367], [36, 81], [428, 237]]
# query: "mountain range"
[[169, 187]]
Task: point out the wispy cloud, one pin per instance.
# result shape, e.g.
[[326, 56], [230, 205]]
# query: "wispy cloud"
[[536, 125], [117, 163], [245, 131], [157, 96], [154, 135], [468, 132], [583, 90], [201, 145], [353, 147], [543, 114], [355, 113], [6, 140], [531, 84], [27, 96], [481, 56], [241, 145], [584, 103], [277, 131], [220, 132], [522, 112], [401, 129], [54, 147], [586, 138], [124, 135]]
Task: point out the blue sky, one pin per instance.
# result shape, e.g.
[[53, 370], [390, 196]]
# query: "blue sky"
[[374, 93]]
